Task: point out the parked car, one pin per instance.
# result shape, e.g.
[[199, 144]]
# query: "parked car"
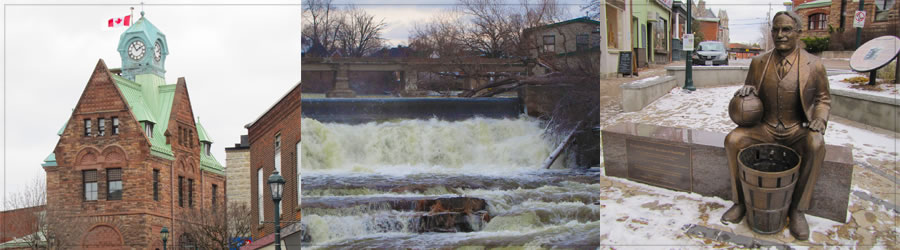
[[710, 53]]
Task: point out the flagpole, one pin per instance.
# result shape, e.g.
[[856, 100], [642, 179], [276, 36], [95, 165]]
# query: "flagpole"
[[131, 20]]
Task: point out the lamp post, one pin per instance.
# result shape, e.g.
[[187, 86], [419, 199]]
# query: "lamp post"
[[688, 72], [276, 183], [164, 233]]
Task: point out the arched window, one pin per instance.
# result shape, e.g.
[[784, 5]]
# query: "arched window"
[[818, 21]]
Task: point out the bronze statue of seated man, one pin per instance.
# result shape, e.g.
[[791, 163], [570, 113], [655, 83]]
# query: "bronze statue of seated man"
[[793, 88]]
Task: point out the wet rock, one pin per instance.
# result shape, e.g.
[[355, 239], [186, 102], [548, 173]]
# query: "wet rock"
[[449, 222], [452, 214], [453, 204]]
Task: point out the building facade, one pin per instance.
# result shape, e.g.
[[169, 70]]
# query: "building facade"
[[821, 18], [582, 42], [274, 140], [132, 159], [679, 24], [650, 31], [237, 170]]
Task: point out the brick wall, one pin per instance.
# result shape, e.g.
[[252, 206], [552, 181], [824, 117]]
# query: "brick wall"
[[136, 219], [283, 118], [804, 21], [19, 222], [709, 30]]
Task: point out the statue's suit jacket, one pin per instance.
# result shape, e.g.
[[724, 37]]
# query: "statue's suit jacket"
[[814, 89]]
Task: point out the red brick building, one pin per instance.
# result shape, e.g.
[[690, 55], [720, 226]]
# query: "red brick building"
[[824, 17], [17, 223], [131, 159], [275, 144]]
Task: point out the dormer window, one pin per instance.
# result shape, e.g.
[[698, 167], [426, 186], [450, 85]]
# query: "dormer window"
[[207, 148], [148, 129]]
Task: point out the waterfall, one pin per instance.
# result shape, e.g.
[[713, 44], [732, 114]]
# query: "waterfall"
[[479, 145]]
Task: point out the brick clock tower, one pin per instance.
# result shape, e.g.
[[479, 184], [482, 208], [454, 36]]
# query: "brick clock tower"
[[132, 159]]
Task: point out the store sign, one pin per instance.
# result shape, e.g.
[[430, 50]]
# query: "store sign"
[[688, 42]]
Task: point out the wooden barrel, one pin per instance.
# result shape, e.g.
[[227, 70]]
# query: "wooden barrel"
[[768, 173]]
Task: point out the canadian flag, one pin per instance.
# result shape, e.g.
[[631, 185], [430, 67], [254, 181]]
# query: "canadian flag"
[[120, 21]]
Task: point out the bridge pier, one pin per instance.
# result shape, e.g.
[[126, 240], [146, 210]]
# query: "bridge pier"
[[341, 83], [410, 86]]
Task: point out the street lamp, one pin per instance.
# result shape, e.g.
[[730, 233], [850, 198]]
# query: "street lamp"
[[164, 233], [276, 184]]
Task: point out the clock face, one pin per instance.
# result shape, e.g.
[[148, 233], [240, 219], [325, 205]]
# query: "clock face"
[[136, 50], [157, 51]]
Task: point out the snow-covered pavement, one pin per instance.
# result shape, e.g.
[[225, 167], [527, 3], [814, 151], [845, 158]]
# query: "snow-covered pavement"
[[870, 226]]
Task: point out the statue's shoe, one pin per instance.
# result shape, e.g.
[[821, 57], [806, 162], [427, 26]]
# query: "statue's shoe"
[[799, 228], [734, 214]]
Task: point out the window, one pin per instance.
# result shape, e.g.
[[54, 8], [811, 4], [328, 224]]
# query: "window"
[[882, 9], [259, 194], [101, 126], [180, 191], [817, 21], [156, 185], [215, 191], [87, 127], [114, 183], [148, 129], [278, 152], [207, 148], [582, 41], [190, 138], [180, 135], [115, 125], [190, 192], [612, 27], [549, 44], [90, 184]]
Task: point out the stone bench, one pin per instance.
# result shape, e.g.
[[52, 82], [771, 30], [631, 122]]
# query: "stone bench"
[[638, 94], [711, 76], [878, 111], [695, 161]]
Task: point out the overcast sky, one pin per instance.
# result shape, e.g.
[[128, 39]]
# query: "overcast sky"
[[237, 61], [401, 15]]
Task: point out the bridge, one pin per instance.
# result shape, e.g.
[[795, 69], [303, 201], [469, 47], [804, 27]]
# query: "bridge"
[[408, 68]]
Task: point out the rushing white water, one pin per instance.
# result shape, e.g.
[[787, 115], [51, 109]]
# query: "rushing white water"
[[482, 146], [416, 151]]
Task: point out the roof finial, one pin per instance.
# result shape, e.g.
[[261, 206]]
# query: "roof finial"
[[142, 9]]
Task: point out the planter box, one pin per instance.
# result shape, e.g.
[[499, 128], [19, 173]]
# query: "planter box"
[[711, 76]]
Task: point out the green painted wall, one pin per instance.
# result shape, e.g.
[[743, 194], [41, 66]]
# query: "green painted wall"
[[641, 10]]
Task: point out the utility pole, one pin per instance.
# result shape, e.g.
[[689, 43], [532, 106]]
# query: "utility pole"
[[859, 30], [688, 74]]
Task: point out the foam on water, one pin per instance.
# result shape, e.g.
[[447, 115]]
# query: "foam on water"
[[479, 145]]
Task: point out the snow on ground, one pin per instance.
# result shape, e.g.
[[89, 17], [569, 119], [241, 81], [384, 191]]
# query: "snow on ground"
[[642, 80], [706, 109], [886, 90]]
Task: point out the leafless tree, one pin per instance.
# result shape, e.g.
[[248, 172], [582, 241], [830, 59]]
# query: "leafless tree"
[[215, 227], [49, 227], [360, 33], [321, 23]]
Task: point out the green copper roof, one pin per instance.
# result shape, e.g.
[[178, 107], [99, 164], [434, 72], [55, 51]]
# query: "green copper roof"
[[207, 162], [813, 4], [50, 161], [63, 129], [201, 133], [141, 98]]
